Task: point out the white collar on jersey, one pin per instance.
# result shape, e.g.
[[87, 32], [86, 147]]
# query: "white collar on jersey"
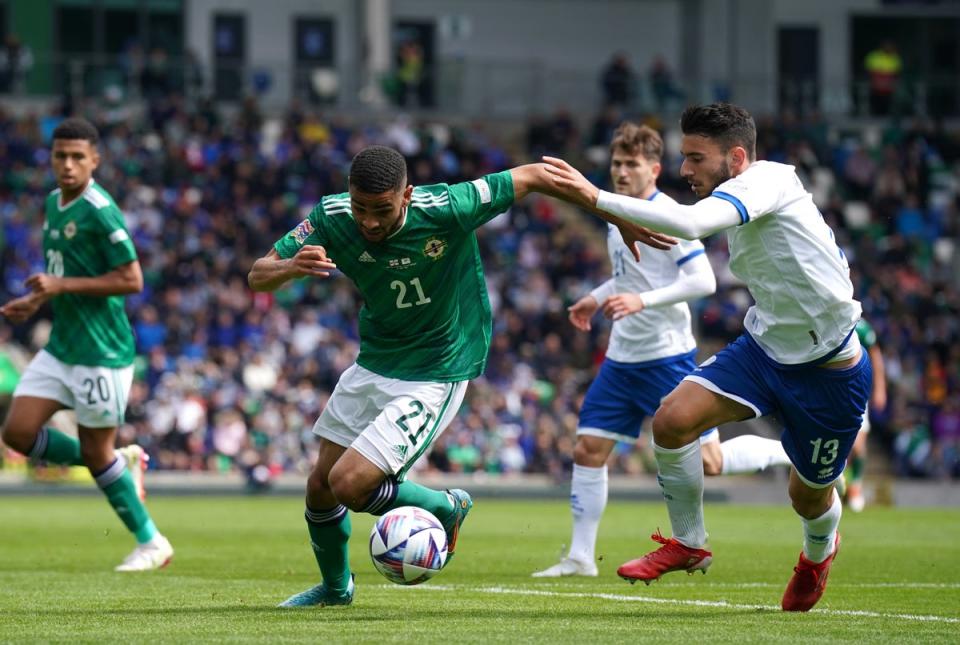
[[62, 207]]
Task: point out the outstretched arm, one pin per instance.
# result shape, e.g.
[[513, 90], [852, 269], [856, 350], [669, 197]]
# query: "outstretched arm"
[[21, 309], [125, 279], [271, 271], [688, 222], [538, 178]]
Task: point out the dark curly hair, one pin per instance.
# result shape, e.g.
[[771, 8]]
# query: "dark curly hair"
[[377, 169], [77, 128], [727, 124]]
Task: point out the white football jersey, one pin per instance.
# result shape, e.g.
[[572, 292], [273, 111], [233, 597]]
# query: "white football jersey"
[[656, 332], [787, 256]]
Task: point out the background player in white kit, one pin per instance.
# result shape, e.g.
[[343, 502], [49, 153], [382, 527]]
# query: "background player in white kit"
[[799, 357], [651, 349]]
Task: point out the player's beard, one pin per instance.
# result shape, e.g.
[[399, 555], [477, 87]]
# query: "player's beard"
[[723, 174]]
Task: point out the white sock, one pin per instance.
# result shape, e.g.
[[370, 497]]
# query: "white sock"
[[681, 479], [749, 453], [588, 498], [820, 534]]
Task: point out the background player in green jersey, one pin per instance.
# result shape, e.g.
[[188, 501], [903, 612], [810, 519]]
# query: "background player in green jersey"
[[857, 461], [87, 364], [424, 332]]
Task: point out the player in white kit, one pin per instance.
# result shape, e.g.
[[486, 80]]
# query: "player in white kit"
[[651, 349], [799, 357]]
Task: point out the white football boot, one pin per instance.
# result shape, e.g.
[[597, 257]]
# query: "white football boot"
[[154, 555], [568, 567]]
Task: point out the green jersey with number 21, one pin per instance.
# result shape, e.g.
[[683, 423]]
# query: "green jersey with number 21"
[[426, 316], [87, 237]]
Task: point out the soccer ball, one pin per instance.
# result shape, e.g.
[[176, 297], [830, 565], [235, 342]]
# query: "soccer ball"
[[408, 545]]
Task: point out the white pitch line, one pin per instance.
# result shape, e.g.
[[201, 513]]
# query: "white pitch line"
[[778, 585], [723, 604]]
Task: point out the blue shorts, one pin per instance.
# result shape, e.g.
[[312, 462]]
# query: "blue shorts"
[[821, 409], [624, 394]]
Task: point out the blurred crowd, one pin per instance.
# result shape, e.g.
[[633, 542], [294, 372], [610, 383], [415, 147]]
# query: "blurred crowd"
[[232, 380]]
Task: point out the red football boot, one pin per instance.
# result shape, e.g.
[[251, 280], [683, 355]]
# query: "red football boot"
[[672, 556], [808, 582]]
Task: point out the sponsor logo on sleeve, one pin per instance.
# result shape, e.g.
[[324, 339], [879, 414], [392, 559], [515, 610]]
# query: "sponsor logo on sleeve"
[[302, 232], [484, 189], [116, 237]]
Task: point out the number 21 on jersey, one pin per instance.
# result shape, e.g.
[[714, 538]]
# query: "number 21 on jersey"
[[401, 288]]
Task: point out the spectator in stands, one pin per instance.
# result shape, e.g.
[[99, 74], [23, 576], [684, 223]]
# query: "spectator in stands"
[[663, 86], [618, 81], [16, 59], [883, 66]]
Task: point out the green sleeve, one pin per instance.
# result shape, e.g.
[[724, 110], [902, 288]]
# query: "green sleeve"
[[473, 203], [119, 246], [866, 334], [305, 233]]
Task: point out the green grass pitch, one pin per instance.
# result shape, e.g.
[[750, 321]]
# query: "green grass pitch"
[[895, 580]]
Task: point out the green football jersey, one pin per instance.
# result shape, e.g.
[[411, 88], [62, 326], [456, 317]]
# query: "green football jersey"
[[866, 334], [426, 316], [85, 238]]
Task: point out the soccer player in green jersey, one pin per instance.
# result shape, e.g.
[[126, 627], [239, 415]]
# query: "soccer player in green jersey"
[[88, 363], [424, 332], [857, 461]]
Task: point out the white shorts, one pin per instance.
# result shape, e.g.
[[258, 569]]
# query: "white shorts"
[[390, 422], [98, 394]]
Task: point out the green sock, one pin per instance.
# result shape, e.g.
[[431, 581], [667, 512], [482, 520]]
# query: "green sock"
[[856, 469], [330, 538], [116, 482], [412, 494], [57, 448]]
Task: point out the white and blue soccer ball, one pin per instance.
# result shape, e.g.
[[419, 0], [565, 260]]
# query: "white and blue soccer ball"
[[408, 545]]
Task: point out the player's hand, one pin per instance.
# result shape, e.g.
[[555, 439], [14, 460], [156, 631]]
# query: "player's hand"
[[21, 309], [633, 233], [571, 184], [312, 260], [621, 305], [44, 284], [582, 311]]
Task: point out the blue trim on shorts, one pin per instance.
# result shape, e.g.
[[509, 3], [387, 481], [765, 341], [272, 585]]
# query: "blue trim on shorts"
[[727, 197]]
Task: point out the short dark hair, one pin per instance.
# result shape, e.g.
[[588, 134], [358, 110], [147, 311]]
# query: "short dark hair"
[[77, 128], [638, 139], [727, 124], [377, 169]]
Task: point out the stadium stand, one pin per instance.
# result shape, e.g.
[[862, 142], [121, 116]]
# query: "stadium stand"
[[229, 379]]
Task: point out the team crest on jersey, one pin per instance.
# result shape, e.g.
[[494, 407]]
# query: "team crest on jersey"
[[302, 232], [70, 230], [435, 248]]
